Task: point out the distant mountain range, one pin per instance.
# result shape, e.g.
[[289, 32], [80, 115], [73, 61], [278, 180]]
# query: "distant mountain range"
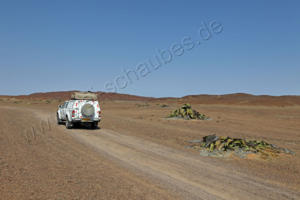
[[232, 99]]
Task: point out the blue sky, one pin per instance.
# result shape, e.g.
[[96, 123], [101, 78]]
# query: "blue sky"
[[84, 45]]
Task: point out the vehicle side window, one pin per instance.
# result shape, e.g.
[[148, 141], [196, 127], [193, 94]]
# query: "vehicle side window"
[[65, 105], [70, 105]]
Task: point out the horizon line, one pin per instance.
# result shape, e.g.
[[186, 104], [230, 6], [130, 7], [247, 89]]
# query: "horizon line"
[[199, 94]]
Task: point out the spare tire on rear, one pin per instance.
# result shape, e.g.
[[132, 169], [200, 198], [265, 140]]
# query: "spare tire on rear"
[[88, 110]]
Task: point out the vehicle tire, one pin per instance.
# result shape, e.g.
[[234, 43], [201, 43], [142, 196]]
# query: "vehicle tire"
[[94, 125], [59, 122], [69, 124]]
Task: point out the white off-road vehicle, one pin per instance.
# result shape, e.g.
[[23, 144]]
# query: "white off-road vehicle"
[[82, 108]]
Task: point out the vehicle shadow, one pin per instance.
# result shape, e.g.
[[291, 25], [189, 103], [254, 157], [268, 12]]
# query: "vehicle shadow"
[[84, 127]]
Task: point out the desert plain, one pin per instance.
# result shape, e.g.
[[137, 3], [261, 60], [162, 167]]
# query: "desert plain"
[[138, 153]]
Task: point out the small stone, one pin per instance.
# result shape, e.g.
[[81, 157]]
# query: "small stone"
[[210, 138], [195, 141]]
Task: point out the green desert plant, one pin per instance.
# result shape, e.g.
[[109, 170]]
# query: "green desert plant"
[[213, 143], [186, 112]]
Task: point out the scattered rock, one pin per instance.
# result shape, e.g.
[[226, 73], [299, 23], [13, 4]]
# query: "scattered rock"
[[210, 138], [142, 105], [195, 141], [163, 106]]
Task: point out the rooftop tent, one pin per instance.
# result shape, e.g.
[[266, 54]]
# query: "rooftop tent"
[[84, 96]]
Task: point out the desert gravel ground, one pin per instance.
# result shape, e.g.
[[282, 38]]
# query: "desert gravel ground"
[[139, 154]]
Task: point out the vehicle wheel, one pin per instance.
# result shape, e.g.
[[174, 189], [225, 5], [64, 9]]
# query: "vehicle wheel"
[[69, 124], [94, 125], [59, 122]]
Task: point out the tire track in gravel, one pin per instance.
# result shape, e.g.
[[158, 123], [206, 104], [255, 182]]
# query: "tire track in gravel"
[[188, 175], [56, 166]]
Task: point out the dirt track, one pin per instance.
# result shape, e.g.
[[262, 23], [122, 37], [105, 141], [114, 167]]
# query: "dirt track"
[[46, 161]]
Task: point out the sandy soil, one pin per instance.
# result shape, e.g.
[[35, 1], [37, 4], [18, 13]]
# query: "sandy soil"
[[139, 154]]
